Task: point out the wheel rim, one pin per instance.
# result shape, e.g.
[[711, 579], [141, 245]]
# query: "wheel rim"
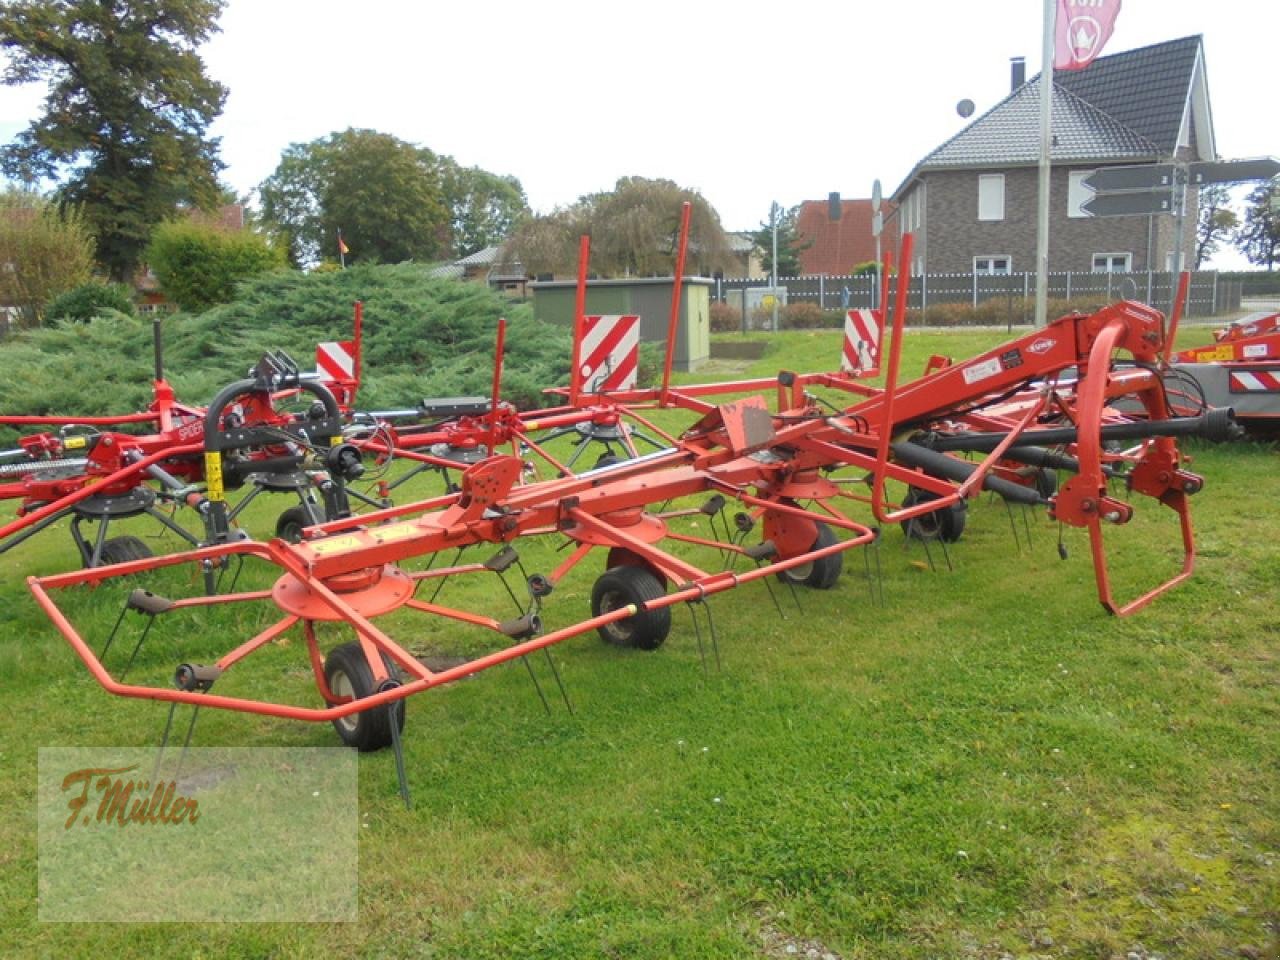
[[340, 687], [620, 630], [800, 572]]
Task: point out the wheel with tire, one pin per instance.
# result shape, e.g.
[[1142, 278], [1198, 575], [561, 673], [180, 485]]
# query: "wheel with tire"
[[820, 574], [348, 675], [122, 550], [607, 459], [290, 523], [621, 587], [946, 524]]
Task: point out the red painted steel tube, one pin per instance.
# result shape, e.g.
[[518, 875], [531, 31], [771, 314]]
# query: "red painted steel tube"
[[124, 473], [13, 420], [579, 321], [496, 393], [273, 632], [1179, 304], [1091, 482], [358, 340], [673, 322]]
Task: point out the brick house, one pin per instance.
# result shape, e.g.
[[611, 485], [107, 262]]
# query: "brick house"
[[971, 203], [835, 247]]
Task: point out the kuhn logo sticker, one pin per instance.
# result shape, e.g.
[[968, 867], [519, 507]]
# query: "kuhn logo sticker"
[[1042, 346]]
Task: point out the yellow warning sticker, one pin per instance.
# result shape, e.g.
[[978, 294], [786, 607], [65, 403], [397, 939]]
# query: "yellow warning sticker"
[[74, 443], [1214, 354], [394, 532], [323, 548], [213, 475]]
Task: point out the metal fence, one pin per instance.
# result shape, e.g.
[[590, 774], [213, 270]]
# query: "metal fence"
[[1005, 298]]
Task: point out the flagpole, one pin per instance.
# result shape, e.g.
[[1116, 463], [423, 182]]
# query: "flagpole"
[[1046, 145]]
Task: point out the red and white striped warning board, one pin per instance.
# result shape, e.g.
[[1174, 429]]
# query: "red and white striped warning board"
[[861, 355], [610, 353], [1255, 381], [336, 367]]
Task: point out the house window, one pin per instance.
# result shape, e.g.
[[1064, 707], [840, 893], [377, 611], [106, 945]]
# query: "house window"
[[1112, 262], [991, 196], [1078, 194], [991, 265], [1169, 263]]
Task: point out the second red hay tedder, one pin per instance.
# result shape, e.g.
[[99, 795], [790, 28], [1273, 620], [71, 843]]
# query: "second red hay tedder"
[[1041, 402]]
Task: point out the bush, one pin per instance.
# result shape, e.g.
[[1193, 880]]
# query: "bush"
[[422, 338], [91, 300], [725, 318], [801, 315], [1000, 311], [198, 266], [44, 252]]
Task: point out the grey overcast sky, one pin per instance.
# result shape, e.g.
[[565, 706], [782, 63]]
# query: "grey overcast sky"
[[746, 102]]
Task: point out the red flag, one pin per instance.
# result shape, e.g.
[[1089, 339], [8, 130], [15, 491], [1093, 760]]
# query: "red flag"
[[1083, 28], [342, 247]]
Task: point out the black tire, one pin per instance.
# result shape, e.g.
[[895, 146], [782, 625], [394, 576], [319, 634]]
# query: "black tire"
[[348, 674], [122, 550], [621, 587], [946, 524], [820, 574], [290, 523], [607, 459]]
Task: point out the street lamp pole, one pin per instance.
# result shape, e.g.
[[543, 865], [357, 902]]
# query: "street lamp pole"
[[773, 282]]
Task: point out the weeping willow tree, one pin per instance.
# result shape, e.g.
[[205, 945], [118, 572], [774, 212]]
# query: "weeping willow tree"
[[634, 231]]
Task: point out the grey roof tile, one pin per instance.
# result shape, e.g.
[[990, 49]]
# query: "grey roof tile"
[[1144, 89], [1009, 134], [1125, 107]]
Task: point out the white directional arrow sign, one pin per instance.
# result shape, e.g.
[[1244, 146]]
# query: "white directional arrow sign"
[[1147, 176], [1232, 171], [1129, 204]]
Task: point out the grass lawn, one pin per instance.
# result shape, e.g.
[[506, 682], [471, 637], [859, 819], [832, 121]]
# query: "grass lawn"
[[982, 765]]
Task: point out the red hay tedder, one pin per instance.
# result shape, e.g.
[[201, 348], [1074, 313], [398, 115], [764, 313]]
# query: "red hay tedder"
[[1039, 402]]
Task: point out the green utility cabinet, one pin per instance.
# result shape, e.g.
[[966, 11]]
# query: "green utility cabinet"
[[650, 298]]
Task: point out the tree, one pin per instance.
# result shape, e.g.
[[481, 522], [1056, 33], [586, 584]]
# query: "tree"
[[1259, 238], [485, 207], [44, 251], [198, 265], [790, 246], [376, 189], [634, 231], [125, 124], [392, 200], [1216, 223]]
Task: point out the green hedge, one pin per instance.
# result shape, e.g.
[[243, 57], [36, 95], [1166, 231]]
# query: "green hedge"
[[422, 337]]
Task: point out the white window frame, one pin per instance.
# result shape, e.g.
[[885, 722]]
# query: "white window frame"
[[989, 269], [1077, 193], [990, 197], [1168, 262], [1110, 267]]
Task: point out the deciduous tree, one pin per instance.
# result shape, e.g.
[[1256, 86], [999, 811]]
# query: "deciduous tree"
[[124, 130], [485, 207], [392, 200], [1259, 237], [44, 251], [1216, 223], [634, 231]]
